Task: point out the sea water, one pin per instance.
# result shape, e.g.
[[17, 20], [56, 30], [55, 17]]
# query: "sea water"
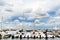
[[32, 39]]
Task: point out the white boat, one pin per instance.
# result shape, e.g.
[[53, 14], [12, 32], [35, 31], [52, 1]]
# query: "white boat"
[[11, 32], [36, 34], [23, 34], [50, 35], [42, 35], [16, 35], [28, 34], [4, 34]]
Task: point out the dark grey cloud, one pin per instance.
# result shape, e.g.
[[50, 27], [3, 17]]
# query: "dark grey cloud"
[[9, 10]]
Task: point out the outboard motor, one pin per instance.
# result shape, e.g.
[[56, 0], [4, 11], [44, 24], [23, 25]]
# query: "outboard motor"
[[9, 36], [40, 36], [34, 37], [12, 36], [46, 34], [0, 36], [28, 37], [20, 36]]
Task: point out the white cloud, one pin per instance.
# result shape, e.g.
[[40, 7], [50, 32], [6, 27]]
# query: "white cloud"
[[30, 8], [21, 18], [53, 21], [18, 6], [58, 12]]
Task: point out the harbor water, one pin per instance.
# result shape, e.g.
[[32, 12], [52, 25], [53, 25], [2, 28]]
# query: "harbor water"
[[32, 39]]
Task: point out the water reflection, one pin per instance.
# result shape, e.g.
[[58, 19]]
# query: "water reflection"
[[32, 39]]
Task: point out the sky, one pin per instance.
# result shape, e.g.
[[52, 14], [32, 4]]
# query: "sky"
[[39, 14]]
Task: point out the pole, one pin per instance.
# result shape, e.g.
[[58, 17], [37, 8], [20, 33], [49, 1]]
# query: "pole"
[[1, 22], [23, 22], [1, 27]]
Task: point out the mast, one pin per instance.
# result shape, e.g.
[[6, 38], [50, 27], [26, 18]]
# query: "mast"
[[1, 22], [23, 22], [36, 22]]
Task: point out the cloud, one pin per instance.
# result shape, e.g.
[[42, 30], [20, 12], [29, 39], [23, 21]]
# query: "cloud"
[[13, 7], [31, 9], [58, 12]]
